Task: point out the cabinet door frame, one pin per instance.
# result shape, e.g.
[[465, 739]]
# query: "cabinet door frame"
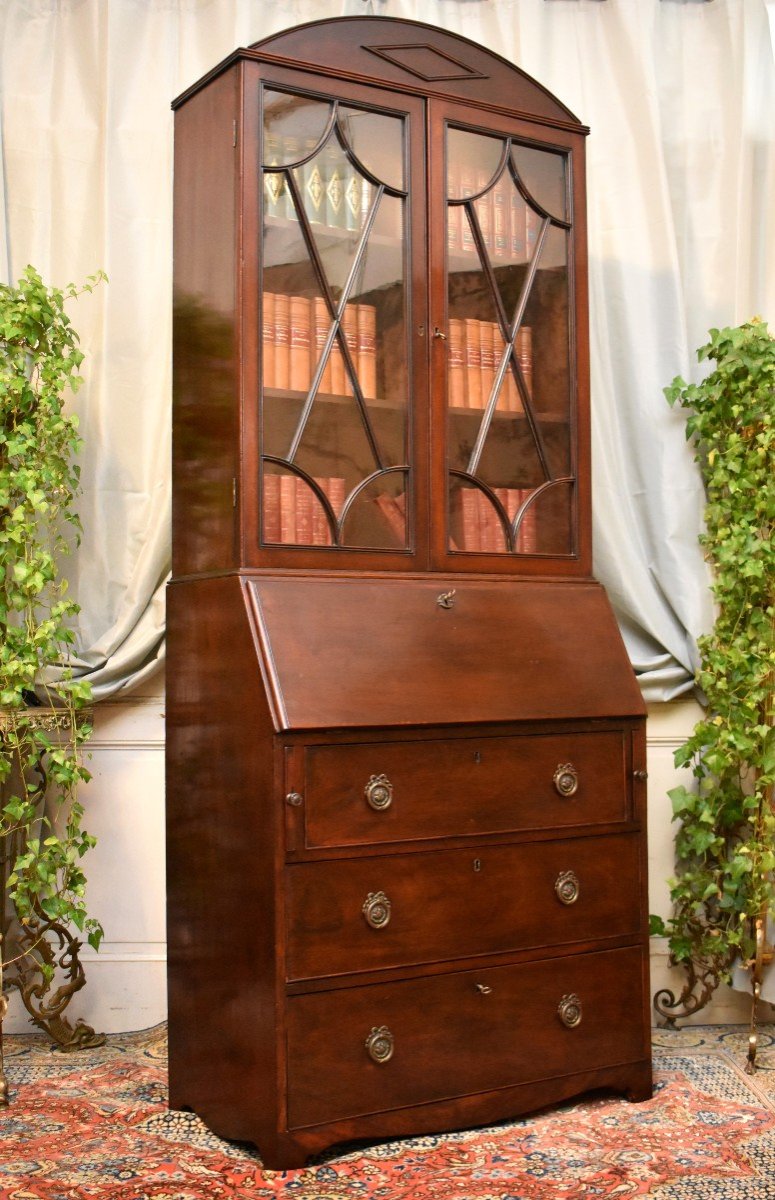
[[579, 563], [254, 553]]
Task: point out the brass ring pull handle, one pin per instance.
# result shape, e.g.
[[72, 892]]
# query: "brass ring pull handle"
[[569, 1011], [437, 333], [566, 779], [379, 792], [566, 887], [379, 1044], [484, 989], [376, 910]]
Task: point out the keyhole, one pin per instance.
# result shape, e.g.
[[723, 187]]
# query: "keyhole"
[[477, 757], [477, 864]]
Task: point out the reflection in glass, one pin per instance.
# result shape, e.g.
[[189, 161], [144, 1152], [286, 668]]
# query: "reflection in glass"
[[543, 175], [334, 326], [509, 367]]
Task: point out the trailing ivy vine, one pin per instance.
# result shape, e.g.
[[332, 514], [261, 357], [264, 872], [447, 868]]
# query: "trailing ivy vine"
[[39, 484], [725, 844]]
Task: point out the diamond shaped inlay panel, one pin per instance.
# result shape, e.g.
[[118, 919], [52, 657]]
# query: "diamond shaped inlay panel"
[[426, 62]]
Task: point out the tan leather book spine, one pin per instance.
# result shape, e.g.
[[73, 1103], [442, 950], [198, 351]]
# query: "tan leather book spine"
[[322, 323], [472, 341], [350, 328], [268, 339], [271, 522], [304, 502], [471, 526], [321, 530], [336, 362], [301, 325], [367, 349], [487, 358], [456, 365], [524, 344], [282, 341], [288, 509]]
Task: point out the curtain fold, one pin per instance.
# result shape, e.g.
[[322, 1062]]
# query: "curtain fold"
[[681, 173]]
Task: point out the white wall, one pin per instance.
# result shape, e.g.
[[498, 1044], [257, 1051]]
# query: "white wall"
[[125, 809]]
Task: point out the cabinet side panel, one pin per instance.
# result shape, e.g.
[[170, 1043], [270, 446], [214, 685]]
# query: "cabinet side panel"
[[220, 864], [205, 385]]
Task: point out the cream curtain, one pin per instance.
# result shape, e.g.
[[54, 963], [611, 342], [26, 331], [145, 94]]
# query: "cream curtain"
[[680, 97]]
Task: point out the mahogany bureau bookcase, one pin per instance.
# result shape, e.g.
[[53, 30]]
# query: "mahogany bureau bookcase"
[[406, 754]]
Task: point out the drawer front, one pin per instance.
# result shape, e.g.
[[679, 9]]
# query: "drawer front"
[[392, 791], [370, 1049], [370, 913]]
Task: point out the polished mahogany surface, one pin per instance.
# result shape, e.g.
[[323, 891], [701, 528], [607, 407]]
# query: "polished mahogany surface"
[[405, 747]]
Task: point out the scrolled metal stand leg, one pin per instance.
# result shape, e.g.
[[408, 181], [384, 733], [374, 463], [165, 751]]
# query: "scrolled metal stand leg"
[[3, 1011], [764, 954]]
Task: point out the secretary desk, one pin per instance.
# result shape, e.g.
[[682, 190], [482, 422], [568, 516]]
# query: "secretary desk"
[[406, 752]]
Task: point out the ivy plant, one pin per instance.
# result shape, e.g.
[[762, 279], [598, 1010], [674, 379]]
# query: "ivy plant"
[[41, 764], [724, 886]]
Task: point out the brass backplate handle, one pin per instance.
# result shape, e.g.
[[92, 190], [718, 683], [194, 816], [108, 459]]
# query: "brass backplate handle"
[[566, 779], [379, 792], [380, 1043], [569, 1011], [566, 887], [376, 909]]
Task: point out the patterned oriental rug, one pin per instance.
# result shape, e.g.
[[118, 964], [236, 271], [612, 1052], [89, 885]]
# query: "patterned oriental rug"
[[94, 1126]]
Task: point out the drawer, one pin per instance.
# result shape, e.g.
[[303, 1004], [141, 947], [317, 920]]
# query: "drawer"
[[393, 791], [369, 913], [369, 1049]]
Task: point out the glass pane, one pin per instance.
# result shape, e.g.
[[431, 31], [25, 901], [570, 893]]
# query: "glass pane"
[[547, 314], [334, 342], [292, 123], [472, 161], [508, 385], [376, 141], [543, 175]]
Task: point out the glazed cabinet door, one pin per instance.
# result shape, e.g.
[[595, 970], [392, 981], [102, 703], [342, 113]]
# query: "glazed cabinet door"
[[342, 298], [512, 395]]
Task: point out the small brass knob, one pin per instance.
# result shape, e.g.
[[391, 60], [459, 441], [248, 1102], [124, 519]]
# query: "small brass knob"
[[566, 779], [569, 1011], [376, 910], [380, 1043], [294, 798], [379, 792], [640, 775], [566, 887]]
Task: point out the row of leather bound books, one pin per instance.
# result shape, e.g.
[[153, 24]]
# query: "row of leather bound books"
[[295, 330], [481, 526], [334, 193], [475, 351], [509, 226], [293, 515]]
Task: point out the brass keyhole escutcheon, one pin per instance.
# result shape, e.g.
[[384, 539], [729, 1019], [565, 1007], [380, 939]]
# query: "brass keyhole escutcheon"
[[377, 909], [566, 779], [567, 887], [380, 1044], [569, 1011], [379, 792], [477, 864]]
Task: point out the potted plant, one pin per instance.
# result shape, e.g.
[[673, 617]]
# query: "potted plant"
[[42, 726], [724, 889]]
